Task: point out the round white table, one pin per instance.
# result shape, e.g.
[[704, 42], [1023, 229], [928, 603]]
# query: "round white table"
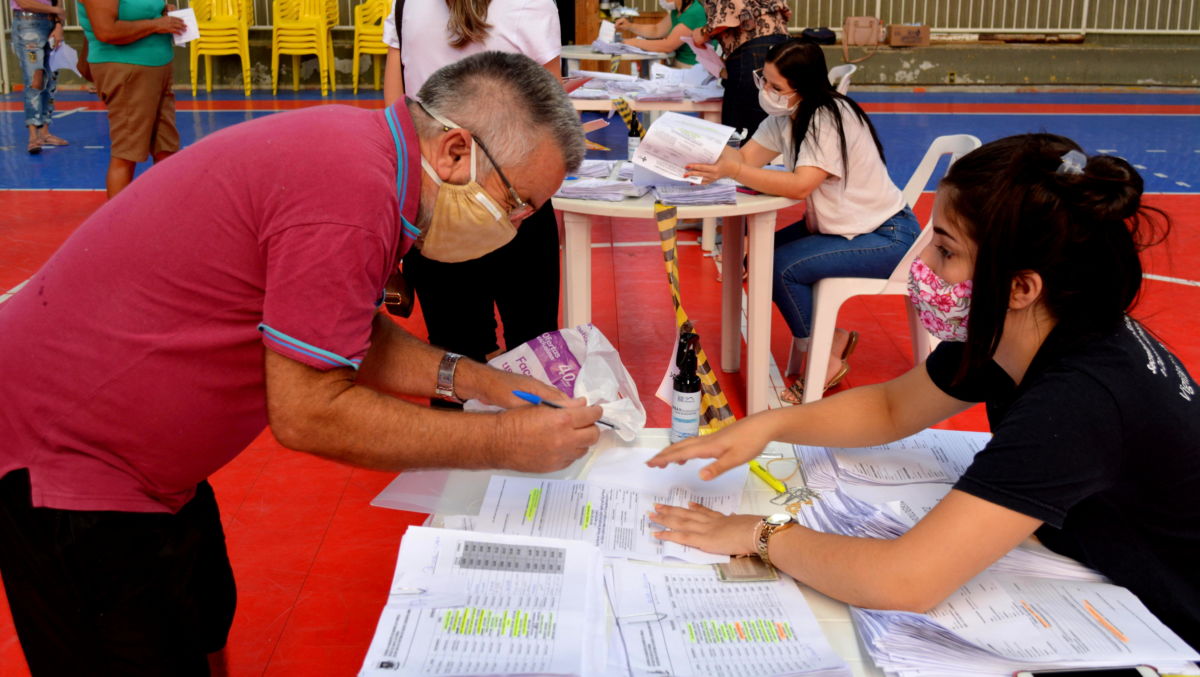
[[757, 211]]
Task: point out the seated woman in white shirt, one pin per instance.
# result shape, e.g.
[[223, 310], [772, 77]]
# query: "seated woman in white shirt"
[[856, 223], [1029, 280]]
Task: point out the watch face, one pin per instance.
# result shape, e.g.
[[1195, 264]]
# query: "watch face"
[[779, 518]]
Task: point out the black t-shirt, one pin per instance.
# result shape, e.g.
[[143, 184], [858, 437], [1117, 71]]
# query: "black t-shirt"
[[1101, 441]]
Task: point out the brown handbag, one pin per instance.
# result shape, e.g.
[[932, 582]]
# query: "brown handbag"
[[861, 31]]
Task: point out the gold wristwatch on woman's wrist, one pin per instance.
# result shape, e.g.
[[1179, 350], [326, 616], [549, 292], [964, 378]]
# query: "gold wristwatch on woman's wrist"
[[768, 527]]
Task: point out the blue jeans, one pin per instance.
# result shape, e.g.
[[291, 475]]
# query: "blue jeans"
[[30, 37], [802, 258]]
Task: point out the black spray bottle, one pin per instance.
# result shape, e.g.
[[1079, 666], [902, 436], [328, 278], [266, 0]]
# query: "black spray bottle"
[[685, 400]]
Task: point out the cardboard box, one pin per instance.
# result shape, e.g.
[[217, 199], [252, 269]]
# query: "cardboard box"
[[903, 35]]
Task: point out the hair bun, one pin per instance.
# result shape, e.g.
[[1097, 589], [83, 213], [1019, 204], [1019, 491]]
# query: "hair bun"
[[1110, 188]]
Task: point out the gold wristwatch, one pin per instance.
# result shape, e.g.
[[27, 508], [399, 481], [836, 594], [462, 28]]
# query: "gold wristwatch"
[[769, 526]]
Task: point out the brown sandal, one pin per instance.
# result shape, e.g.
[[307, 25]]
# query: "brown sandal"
[[794, 394]]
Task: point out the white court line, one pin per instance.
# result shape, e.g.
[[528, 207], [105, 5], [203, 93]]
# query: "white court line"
[[8, 294], [1175, 280], [65, 113]]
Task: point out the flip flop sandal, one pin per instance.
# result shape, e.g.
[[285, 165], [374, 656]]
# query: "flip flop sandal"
[[52, 140], [794, 394], [34, 147], [851, 344]]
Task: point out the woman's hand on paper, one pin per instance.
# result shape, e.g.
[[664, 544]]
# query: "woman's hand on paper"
[[707, 529], [544, 439], [728, 164], [732, 446]]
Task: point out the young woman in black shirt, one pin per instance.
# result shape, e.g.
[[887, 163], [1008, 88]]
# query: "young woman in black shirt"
[[1030, 277]]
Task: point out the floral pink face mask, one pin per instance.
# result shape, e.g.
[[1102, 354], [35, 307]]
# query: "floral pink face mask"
[[942, 307]]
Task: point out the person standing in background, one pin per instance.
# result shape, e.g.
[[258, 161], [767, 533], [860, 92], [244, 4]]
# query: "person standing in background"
[[130, 51], [459, 298], [682, 18], [746, 31], [35, 24]]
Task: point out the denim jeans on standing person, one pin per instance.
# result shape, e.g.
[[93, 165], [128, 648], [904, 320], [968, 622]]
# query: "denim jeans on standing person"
[[802, 258], [30, 40]]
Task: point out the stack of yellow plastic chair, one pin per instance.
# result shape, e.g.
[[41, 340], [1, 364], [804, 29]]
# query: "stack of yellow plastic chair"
[[368, 36], [224, 29], [302, 27]]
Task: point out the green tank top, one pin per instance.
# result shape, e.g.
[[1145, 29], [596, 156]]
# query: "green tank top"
[[152, 50]]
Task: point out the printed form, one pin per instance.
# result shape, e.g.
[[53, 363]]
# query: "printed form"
[[684, 621], [465, 603], [998, 623], [676, 140], [610, 509], [928, 456]]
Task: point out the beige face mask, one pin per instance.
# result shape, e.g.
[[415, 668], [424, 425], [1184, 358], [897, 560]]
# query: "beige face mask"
[[467, 223]]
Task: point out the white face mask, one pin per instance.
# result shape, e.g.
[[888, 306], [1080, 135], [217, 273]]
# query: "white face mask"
[[774, 103], [667, 5]]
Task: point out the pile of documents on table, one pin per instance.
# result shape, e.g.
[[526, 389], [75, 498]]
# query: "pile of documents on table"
[[664, 84], [612, 190], [1032, 608], [720, 192], [556, 576]]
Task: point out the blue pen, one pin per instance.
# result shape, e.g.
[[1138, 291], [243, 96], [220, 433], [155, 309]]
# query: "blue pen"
[[534, 399]]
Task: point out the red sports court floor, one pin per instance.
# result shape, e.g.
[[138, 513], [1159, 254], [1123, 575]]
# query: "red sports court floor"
[[314, 560]]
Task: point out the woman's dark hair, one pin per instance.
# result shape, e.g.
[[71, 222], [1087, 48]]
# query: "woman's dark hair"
[[1081, 231], [802, 64]]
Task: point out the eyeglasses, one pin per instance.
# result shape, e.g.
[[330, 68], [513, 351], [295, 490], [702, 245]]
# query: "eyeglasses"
[[760, 81], [520, 209]]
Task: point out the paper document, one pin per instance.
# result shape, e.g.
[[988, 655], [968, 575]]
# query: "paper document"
[[929, 456], [465, 603], [996, 624], [64, 57], [684, 621], [610, 508], [613, 518], [608, 31], [706, 57], [675, 141], [193, 29]]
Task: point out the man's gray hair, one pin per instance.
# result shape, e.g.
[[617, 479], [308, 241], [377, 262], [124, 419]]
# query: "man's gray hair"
[[507, 101]]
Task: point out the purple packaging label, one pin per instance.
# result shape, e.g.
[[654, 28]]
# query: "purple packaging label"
[[560, 365]]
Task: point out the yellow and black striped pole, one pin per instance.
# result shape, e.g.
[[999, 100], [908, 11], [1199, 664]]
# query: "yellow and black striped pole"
[[631, 121], [714, 408]]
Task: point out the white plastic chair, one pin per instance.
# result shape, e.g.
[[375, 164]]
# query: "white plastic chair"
[[839, 76], [830, 293]]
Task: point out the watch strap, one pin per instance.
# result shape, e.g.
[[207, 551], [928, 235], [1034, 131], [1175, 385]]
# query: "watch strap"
[[762, 538], [445, 375]]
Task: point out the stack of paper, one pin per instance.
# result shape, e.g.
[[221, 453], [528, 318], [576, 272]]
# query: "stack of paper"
[[463, 603], [606, 47], [596, 169], [599, 189], [664, 84], [723, 192], [996, 624], [677, 621]]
